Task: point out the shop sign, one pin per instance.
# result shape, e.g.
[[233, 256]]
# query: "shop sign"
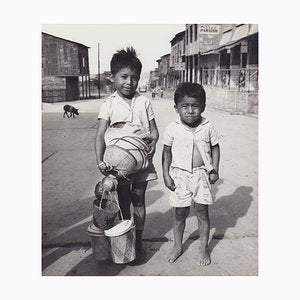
[[244, 49], [179, 66], [209, 29], [244, 46]]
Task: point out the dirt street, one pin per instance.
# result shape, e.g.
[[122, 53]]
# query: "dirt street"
[[69, 175]]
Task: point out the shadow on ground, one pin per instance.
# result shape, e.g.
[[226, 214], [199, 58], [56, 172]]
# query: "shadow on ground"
[[90, 267], [225, 214], [72, 240]]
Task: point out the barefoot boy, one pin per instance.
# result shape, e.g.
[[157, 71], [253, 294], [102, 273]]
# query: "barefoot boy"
[[123, 107], [190, 164]]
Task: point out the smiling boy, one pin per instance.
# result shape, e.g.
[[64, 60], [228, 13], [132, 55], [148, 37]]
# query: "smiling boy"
[[126, 105]]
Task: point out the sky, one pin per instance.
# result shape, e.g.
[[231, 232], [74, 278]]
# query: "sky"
[[151, 41]]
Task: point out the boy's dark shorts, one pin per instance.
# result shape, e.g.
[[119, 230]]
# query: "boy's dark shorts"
[[145, 175]]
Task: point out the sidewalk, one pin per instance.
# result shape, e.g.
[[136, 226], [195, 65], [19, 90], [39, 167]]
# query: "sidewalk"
[[69, 177]]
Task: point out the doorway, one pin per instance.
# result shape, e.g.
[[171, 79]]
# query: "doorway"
[[72, 88]]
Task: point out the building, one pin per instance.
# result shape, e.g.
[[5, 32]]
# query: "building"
[[200, 38], [153, 80], [65, 70], [224, 59], [177, 59], [164, 78], [222, 55]]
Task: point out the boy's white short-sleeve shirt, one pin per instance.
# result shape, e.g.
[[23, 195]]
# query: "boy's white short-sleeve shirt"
[[139, 113], [182, 140]]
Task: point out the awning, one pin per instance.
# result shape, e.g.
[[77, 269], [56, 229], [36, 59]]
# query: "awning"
[[226, 37], [240, 32], [229, 45], [253, 29]]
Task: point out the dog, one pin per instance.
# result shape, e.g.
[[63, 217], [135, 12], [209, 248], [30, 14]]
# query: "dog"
[[72, 110]]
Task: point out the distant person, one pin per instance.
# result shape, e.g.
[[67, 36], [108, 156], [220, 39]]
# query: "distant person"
[[190, 165], [153, 92], [123, 106], [242, 78], [161, 92]]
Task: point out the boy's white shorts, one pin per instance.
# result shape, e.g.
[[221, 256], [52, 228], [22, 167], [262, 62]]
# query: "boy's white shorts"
[[190, 187]]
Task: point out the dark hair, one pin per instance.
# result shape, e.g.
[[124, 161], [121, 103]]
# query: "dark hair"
[[189, 89], [125, 58]]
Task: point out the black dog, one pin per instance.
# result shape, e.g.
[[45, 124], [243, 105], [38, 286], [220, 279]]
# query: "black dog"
[[72, 110]]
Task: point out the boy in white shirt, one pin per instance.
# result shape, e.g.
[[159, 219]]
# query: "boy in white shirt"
[[128, 106], [190, 165]]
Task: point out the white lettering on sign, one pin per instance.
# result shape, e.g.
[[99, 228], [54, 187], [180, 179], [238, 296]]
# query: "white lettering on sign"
[[179, 66], [209, 29]]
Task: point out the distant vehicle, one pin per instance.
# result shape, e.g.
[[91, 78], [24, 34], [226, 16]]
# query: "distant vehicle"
[[143, 89]]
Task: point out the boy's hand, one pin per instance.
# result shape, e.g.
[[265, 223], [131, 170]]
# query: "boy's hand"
[[169, 183], [213, 177], [104, 168]]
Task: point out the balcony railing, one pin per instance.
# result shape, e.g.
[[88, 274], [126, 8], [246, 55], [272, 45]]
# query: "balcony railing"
[[244, 79]]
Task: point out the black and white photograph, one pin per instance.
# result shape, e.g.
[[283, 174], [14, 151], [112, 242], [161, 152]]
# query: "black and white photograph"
[[150, 149], [140, 149]]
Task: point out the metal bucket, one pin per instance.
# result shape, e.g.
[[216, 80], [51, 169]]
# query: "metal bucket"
[[100, 244]]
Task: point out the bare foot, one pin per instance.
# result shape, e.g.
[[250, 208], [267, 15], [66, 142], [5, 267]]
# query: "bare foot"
[[204, 258], [175, 253]]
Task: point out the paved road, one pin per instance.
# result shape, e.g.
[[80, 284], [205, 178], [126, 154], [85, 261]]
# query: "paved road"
[[69, 176]]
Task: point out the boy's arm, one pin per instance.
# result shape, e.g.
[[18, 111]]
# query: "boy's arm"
[[99, 142], [166, 163], [154, 135], [215, 152]]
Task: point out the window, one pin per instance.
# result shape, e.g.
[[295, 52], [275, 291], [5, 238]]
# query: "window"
[[187, 36], [191, 33], [195, 31]]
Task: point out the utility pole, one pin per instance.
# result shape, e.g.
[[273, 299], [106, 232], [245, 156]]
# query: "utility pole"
[[99, 69]]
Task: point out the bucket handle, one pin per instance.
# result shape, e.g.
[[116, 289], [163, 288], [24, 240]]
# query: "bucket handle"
[[117, 203]]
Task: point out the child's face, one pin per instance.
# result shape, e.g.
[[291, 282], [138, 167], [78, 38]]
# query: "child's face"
[[190, 110], [126, 82]]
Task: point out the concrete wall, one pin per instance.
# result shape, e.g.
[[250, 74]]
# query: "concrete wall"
[[232, 101]]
